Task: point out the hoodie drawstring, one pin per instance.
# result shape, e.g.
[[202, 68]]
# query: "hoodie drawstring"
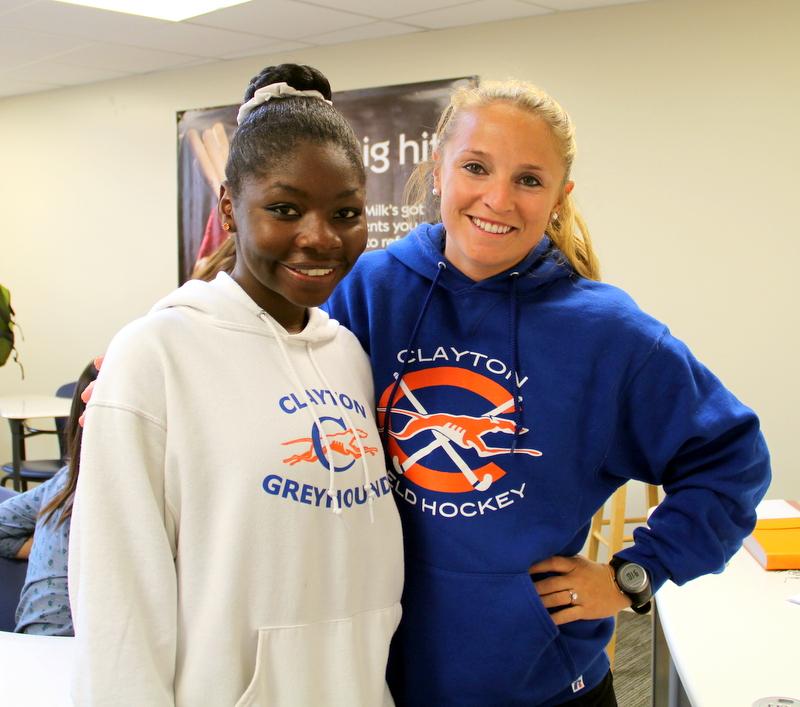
[[514, 344], [371, 495], [387, 425], [264, 316], [513, 350]]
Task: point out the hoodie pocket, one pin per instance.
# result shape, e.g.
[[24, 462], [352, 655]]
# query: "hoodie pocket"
[[340, 662], [475, 639]]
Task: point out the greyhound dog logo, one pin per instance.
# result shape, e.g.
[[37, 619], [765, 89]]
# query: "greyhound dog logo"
[[450, 433], [464, 430], [343, 442]]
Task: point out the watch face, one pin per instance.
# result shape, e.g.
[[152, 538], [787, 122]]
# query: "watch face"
[[631, 577]]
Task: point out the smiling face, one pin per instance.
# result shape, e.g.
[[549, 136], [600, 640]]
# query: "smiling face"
[[501, 178], [298, 230]]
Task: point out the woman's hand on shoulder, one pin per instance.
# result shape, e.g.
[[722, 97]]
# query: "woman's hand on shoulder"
[[86, 395], [579, 589]]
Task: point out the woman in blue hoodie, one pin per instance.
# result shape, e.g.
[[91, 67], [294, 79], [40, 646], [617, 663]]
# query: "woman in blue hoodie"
[[516, 392]]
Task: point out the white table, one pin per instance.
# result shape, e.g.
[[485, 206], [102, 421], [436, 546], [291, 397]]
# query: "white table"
[[18, 409], [35, 671], [25, 407], [733, 637]]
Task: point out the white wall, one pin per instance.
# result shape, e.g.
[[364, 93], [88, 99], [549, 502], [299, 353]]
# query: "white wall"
[[687, 115]]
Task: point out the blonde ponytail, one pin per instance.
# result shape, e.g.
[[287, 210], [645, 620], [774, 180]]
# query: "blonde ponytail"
[[571, 236]]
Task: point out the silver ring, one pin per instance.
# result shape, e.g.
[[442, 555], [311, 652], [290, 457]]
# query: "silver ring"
[[573, 596]]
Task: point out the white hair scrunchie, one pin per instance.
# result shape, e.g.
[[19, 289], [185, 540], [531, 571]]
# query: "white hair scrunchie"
[[275, 90]]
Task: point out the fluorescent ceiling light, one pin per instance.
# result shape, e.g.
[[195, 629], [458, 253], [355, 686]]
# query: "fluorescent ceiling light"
[[172, 10]]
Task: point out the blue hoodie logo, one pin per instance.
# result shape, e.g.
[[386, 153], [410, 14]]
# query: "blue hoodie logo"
[[417, 434]]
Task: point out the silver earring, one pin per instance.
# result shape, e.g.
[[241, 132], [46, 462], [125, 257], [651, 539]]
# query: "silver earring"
[[435, 191], [554, 216]]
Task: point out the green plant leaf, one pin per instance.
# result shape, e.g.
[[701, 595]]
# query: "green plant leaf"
[[7, 329]]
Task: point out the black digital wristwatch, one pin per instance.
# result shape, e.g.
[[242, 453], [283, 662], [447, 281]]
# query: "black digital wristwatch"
[[634, 582]]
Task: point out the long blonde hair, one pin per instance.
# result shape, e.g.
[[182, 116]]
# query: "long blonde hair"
[[569, 232], [223, 258]]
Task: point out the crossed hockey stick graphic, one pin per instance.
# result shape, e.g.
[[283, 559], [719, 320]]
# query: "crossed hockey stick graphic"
[[464, 430]]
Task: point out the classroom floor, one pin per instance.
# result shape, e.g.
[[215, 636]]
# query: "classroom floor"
[[632, 672]]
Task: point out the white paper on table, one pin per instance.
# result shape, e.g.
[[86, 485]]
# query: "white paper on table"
[[777, 508]]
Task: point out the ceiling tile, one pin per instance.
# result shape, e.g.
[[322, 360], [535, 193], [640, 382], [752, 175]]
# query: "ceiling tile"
[[50, 41], [567, 5], [271, 46], [387, 9], [6, 5], [118, 57], [62, 75], [280, 18], [181, 37], [474, 13], [76, 21], [356, 34], [21, 46]]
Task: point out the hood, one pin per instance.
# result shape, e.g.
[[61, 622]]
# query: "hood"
[[423, 249], [224, 302]]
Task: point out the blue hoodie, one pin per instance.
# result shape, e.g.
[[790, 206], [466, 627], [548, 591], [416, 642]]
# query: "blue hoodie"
[[525, 400]]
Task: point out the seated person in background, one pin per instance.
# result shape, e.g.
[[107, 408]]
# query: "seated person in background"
[[35, 525]]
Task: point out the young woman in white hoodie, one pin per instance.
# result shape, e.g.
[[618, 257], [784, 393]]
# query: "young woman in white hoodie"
[[234, 538]]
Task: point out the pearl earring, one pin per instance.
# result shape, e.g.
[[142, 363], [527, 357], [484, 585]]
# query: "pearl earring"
[[435, 191]]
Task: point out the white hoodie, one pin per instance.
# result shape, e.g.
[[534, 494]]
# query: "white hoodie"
[[208, 564]]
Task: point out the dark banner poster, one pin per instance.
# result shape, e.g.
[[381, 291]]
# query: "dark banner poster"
[[395, 125]]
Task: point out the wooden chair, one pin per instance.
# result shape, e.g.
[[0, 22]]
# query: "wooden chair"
[[616, 537]]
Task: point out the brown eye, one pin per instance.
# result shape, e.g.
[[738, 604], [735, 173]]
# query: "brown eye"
[[282, 210], [348, 213]]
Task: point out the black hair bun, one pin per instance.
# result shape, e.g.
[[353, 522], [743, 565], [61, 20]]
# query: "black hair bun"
[[298, 76]]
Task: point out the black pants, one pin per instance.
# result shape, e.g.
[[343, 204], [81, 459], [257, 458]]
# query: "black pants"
[[600, 696]]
